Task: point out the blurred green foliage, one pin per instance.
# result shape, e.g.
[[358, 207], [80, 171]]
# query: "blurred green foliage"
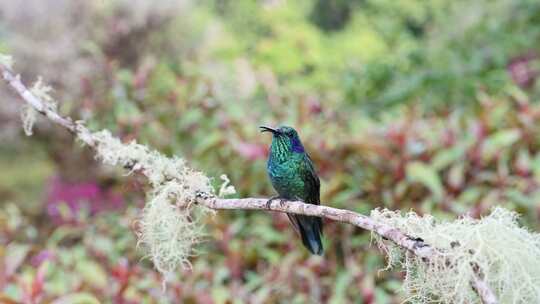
[[423, 105], [437, 53]]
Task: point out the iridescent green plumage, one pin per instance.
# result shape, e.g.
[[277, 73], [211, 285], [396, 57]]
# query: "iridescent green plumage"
[[293, 176]]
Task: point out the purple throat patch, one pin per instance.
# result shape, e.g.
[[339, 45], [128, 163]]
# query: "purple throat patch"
[[297, 145]]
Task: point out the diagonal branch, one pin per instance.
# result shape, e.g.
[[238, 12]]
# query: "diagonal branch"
[[415, 245]]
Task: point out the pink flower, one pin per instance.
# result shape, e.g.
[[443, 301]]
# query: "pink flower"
[[521, 70], [78, 195], [250, 151]]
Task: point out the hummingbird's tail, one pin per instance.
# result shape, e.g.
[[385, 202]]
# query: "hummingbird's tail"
[[310, 229]]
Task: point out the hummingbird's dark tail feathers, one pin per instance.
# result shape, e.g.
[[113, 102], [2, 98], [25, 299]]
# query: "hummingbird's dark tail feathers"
[[311, 230]]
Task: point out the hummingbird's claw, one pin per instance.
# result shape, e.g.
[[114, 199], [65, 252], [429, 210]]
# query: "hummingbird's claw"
[[269, 202]]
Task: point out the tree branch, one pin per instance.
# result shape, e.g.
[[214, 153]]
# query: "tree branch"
[[415, 245]]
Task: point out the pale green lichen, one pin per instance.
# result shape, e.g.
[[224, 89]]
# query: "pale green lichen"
[[507, 254], [42, 91], [167, 231], [170, 224], [226, 188], [28, 114], [28, 118]]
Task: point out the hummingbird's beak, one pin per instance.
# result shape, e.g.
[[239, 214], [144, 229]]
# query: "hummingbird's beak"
[[268, 129]]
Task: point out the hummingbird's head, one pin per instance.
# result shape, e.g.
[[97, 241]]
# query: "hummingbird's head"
[[284, 140]]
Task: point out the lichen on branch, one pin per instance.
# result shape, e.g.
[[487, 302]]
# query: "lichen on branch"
[[170, 224], [180, 197], [28, 113], [507, 255]]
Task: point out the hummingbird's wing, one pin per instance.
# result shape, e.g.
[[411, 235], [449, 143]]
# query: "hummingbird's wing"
[[311, 181], [312, 189], [313, 185]]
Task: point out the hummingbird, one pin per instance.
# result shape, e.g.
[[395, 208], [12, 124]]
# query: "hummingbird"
[[293, 176]]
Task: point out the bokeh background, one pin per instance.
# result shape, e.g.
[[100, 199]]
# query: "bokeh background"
[[417, 105]]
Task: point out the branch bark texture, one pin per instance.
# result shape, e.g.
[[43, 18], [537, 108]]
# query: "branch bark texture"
[[414, 245]]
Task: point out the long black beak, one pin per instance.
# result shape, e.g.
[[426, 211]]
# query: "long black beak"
[[268, 129]]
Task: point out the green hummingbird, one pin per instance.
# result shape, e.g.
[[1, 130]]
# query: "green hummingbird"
[[293, 176]]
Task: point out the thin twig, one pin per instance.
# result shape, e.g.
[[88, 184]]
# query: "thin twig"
[[415, 245]]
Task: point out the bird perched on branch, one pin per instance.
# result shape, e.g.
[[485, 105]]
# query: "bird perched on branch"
[[294, 178]]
